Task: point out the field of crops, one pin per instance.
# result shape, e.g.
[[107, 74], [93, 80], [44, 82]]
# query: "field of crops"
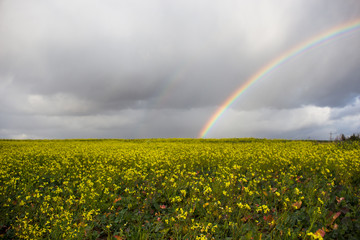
[[179, 189]]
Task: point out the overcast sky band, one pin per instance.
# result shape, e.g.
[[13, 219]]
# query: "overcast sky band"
[[326, 36]]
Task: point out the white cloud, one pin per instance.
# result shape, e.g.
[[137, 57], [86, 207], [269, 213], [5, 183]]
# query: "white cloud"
[[299, 123], [58, 104], [114, 68], [5, 82]]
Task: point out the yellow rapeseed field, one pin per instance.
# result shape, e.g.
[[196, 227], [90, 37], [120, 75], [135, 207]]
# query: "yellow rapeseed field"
[[179, 189]]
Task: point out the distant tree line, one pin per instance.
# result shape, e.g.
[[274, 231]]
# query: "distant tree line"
[[343, 138]]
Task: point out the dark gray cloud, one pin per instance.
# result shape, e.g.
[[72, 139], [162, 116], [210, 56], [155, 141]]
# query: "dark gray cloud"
[[159, 69]]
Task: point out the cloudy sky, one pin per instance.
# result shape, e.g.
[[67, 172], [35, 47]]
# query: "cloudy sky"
[[160, 68]]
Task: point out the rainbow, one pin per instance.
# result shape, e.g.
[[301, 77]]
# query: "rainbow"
[[276, 62]]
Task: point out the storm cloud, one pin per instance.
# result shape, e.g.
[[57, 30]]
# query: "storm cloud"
[[143, 69]]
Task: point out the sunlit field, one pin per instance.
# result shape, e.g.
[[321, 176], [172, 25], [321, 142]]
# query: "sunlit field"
[[179, 189]]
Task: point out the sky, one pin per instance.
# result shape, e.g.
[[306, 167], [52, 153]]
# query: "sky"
[[160, 69]]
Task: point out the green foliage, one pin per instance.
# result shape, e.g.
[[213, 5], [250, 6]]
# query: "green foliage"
[[353, 137]]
